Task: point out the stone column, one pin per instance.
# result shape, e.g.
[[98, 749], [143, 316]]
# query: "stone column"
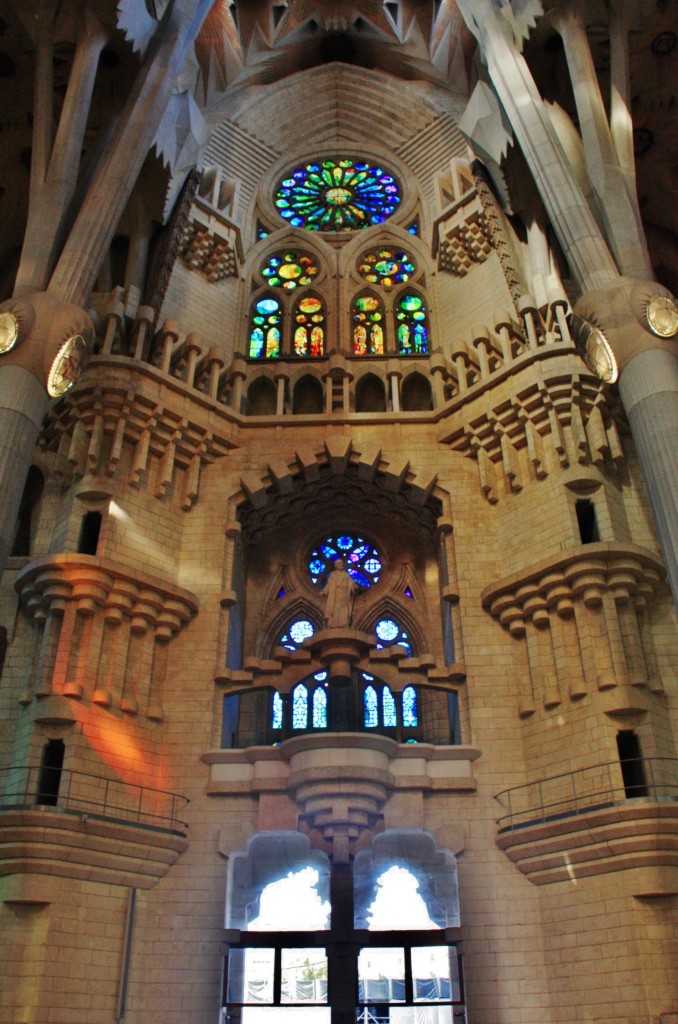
[[23, 401]]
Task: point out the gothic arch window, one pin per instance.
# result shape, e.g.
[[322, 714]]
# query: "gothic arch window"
[[261, 397], [370, 394], [411, 323], [368, 325], [386, 266], [416, 394], [308, 396], [307, 707], [265, 325], [309, 327]]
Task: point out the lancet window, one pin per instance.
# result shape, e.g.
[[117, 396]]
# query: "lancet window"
[[368, 325]]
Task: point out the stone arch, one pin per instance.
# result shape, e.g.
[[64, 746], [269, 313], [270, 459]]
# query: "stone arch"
[[370, 394], [261, 397], [308, 397], [388, 607], [416, 394], [300, 607]]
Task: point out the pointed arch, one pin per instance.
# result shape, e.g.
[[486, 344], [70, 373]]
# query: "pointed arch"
[[308, 397], [370, 394], [265, 327], [416, 394], [368, 333], [261, 397], [308, 326], [411, 323]]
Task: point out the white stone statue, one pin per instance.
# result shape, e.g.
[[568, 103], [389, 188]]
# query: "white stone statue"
[[339, 594]]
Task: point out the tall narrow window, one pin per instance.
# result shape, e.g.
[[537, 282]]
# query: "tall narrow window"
[[389, 708], [309, 327], [410, 716], [371, 706], [89, 533], [631, 761], [319, 708], [300, 707], [277, 712], [368, 326], [411, 325], [49, 780], [265, 329], [587, 521]]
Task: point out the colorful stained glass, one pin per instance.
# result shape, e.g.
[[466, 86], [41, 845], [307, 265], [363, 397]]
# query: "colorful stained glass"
[[410, 715], [337, 195], [390, 633], [371, 708], [363, 561], [289, 270], [388, 709], [368, 330], [386, 267], [296, 633], [309, 333], [299, 707], [265, 329], [411, 325], [277, 712], [319, 708]]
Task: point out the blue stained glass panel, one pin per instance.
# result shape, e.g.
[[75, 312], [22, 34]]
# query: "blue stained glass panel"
[[371, 707], [277, 712], [319, 708], [410, 715], [300, 707], [389, 709]]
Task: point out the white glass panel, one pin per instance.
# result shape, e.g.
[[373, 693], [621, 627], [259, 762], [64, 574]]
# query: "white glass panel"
[[434, 974], [250, 975], [303, 976], [381, 975], [288, 1015]]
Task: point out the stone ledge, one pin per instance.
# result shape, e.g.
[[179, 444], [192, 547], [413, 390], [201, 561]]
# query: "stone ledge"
[[620, 837], [52, 842]]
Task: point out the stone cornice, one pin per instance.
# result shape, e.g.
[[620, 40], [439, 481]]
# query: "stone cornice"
[[92, 582], [630, 572]]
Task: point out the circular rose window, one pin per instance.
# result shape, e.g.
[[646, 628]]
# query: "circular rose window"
[[337, 195]]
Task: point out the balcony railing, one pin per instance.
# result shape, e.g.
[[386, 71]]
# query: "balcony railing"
[[589, 789], [24, 787]]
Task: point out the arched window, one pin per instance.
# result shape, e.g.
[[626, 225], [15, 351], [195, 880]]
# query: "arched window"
[[299, 707], [371, 706], [410, 714], [277, 712], [309, 327], [411, 325], [388, 705], [368, 325], [403, 886], [319, 717], [265, 328]]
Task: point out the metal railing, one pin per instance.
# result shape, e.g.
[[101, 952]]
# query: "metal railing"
[[26, 787], [593, 788]]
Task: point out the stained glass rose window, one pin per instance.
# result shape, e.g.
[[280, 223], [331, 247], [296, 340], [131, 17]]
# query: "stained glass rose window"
[[289, 270], [337, 195], [386, 267]]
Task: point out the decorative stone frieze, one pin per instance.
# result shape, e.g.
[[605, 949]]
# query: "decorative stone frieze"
[[590, 599], [462, 236], [102, 622]]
